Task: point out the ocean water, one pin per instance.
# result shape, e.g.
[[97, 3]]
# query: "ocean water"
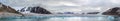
[[59, 18]]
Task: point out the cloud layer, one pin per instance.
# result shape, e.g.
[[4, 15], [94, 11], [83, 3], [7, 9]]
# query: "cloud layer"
[[65, 5]]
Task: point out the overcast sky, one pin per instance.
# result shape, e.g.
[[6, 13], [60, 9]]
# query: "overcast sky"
[[65, 5]]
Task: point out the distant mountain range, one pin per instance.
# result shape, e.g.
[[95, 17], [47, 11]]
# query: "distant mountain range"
[[41, 10]]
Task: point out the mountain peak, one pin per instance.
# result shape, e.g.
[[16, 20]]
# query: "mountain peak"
[[4, 8], [36, 9]]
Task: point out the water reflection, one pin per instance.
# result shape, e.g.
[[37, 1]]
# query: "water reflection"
[[57, 18]]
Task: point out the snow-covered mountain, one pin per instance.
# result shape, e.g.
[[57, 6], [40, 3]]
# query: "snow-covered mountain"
[[41, 10], [37, 9]]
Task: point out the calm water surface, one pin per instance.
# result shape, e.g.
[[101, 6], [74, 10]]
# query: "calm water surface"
[[58, 18]]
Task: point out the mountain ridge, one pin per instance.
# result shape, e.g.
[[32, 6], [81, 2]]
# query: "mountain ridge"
[[35, 9], [8, 9]]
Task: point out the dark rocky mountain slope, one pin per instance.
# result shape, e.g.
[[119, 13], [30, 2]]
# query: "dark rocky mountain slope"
[[112, 11], [8, 9], [36, 9]]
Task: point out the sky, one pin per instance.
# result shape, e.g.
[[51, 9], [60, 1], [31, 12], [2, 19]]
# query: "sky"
[[65, 5]]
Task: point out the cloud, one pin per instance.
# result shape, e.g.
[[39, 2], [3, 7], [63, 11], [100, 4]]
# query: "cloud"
[[115, 1], [62, 2], [65, 4]]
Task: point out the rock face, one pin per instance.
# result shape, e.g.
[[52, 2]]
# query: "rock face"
[[37, 9], [113, 11], [4, 8]]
